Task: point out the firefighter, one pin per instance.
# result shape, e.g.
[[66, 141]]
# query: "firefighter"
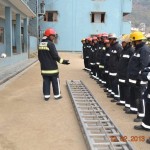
[[106, 64], [125, 56], [90, 46], [87, 54], [137, 63], [48, 57], [102, 59], [93, 56], [98, 55], [113, 66], [145, 75]]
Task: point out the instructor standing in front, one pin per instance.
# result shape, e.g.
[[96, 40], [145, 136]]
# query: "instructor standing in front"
[[48, 57]]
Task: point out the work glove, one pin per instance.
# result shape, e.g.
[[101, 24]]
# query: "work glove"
[[66, 62]]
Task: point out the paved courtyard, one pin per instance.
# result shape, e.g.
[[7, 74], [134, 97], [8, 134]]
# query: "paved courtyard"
[[27, 122]]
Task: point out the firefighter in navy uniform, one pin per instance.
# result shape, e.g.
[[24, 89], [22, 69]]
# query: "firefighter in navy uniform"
[[113, 66], [125, 56], [48, 57], [145, 75], [89, 48], [93, 52], [102, 59], [137, 63], [98, 55], [106, 64]]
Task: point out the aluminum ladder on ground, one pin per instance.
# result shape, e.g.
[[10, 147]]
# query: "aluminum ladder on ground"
[[99, 131]]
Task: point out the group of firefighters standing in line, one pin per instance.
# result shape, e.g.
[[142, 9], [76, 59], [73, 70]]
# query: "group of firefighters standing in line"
[[123, 71]]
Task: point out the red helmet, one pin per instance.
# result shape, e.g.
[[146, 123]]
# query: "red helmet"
[[90, 39], [49, 32], [104, 35], [94, 38], [99, 35]]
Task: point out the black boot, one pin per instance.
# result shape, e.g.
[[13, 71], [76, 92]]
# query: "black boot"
[[140, 127], [148, 141], [138, 119]]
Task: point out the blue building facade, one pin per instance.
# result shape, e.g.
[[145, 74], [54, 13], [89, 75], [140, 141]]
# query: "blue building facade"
[[14, 35], [76, 19]]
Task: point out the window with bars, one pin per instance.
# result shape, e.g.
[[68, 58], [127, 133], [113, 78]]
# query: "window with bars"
[[51, 16], [98, 17]]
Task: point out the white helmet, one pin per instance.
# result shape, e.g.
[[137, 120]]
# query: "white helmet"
[[112, 36], [3, 55]]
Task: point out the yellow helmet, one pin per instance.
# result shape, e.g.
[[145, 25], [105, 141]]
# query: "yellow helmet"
[[126, 38], [136, 36]]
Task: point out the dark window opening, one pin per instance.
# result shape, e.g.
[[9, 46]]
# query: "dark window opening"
[[51, 16], [102, 17], [92, 18], [98, 17]]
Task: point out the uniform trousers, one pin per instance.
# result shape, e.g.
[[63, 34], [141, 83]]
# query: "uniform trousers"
[[137, 98], [124, 93], [47, 80], [146, 119]]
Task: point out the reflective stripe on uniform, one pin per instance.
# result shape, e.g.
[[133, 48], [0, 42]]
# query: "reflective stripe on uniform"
[[141, 114], [126, 56], [127, 105], [145, 126], [47, 96], [43, 48], [148, 76], [113, 74], [132, 81], [143, 82], [133, 109], [49, 71], [101, 66], [122, 81], [107, 54], [148, 96], [61, 61], [122, 102]]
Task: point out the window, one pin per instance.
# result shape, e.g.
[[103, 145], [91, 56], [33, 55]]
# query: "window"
[[1, 35], [98, 17], [51, 16]]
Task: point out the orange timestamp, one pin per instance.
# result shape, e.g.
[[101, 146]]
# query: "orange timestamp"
[[128, 138]]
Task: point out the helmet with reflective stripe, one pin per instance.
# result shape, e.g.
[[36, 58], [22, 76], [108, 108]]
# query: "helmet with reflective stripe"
[[126, 38], [49, 32], [137, 36]]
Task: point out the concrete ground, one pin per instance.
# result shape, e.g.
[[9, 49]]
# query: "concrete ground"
[[27, 122]]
